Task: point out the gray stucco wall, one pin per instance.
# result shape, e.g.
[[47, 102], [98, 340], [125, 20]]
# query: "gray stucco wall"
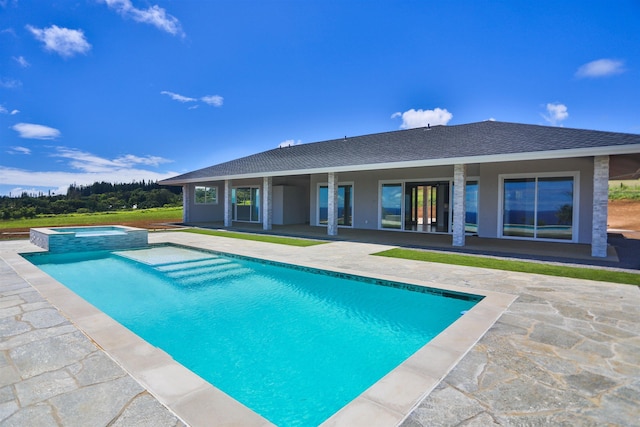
[[366, 187], [215, 212], [205, 213]]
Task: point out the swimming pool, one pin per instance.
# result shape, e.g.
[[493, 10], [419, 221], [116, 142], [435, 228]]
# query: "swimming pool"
[[380, 319]]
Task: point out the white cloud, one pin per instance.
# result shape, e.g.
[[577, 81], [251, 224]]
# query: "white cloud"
[[154, 15], [421, 118], [63, 41], [90, 163], [215, 100], [129, 160], [289, 143], [34, 131], [556, 113], [21, 61], [59, 181], [19, 150], [178, 97], [3, 110], [601, 68], [82, 168], [10, 83]]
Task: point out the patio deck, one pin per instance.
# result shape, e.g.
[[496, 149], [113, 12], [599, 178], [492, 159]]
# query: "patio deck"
[[566, 351], [622, 251]]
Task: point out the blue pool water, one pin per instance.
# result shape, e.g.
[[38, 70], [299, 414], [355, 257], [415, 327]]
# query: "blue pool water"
[[291, 344]]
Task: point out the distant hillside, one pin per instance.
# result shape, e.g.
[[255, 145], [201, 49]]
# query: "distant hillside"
[[98, 197]]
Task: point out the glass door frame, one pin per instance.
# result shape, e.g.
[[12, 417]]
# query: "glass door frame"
[[350, 199], [254, 203], [433, 213], [398, 224], [536, 178]]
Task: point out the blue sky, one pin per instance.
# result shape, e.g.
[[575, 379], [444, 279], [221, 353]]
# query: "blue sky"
[[122, 90]]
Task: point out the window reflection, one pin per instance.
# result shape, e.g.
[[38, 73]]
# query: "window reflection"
[[345, 205], [391, 216], [538, 208], [471, 207]]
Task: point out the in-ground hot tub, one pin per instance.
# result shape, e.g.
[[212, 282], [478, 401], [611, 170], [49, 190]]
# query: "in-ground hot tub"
[[91, 238]]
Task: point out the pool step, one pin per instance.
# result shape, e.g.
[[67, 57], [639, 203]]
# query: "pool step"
[[212, 277], [190, 265], [202, 271]]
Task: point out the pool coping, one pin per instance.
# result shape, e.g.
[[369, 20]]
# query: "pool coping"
[[198, 403]]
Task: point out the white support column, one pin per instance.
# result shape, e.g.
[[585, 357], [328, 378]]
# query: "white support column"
[[332, 215], [267, 203], [600, 206], [186, 202], [227, 203], [459, 208]]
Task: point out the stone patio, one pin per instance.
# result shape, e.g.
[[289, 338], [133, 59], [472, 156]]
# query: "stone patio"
[[52, 374], [566, 352]]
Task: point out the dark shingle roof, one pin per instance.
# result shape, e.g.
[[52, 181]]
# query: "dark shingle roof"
[[435, 145]]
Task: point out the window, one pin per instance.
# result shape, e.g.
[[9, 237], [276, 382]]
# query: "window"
[[206, 195], [391, 206], [345, 205], [471, 207], [538, 207]]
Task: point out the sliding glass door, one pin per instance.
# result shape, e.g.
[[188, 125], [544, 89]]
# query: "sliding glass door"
[[538, 207], [425, 206], [345, 205], [391, 206], [245, 203]]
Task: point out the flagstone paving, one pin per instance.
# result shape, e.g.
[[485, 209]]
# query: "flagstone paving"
[[52, 374], [566, 352]]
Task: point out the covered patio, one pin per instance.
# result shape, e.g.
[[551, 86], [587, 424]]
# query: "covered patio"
[[622, 248]]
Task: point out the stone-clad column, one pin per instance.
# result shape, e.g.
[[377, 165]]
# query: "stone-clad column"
[[267, 203], [459, 208], [332, 215], [227, 203], [600, 206], [186, 202]]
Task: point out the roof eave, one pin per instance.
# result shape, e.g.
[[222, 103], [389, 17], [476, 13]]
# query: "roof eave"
[[492, 158]]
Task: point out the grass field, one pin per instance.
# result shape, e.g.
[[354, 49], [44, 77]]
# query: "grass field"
[[291, 241], [519, 266], [128, 217], [624, 190]]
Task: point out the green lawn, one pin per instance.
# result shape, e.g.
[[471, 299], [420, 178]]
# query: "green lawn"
[[258, 237], [116, 217], [520, 266], [624, 190]]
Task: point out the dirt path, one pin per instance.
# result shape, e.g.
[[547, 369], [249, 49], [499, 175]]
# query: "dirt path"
[[624, 215]]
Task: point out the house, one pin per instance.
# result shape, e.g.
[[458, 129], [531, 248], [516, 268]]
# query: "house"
[[491, 179]]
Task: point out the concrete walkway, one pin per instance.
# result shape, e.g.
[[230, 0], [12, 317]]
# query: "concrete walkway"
[[566, 352]]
